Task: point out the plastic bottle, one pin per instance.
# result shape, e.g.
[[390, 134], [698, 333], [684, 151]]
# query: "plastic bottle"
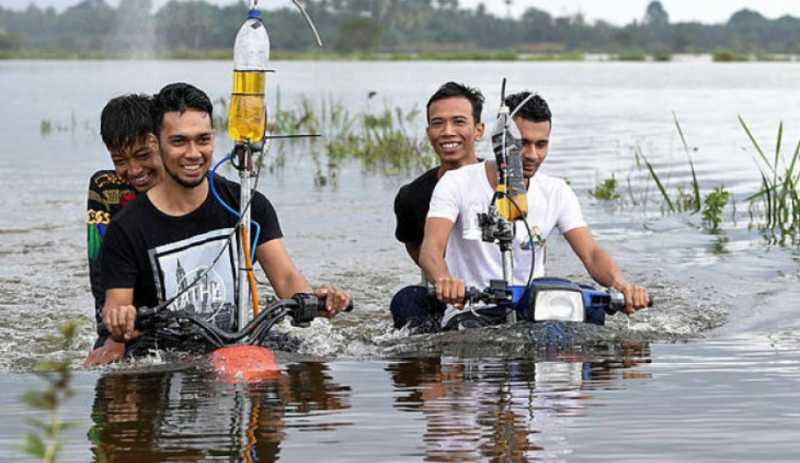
[[506, 135], [247, 115]]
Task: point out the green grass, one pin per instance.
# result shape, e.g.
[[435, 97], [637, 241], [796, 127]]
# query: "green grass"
[[606, 190], [778, 200], [45, 442], [714, 204]]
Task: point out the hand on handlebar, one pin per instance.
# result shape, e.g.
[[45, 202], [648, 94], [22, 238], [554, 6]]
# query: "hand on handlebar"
[[120, 322], [450, 290], [336, 300], [636, 297]]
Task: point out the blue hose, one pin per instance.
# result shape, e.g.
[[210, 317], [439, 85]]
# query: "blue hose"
[[218, 198]]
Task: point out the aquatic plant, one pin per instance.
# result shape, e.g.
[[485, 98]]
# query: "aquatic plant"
[[778, 200], [606, 190], [714, 204], [684, 201], [45, 443], [45, 127]]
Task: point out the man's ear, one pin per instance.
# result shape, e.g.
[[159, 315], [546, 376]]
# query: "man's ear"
[[152, 141], [480, 127]]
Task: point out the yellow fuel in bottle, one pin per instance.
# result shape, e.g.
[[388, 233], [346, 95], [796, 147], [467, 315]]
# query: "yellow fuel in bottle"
[[247, 115], [509, 211]]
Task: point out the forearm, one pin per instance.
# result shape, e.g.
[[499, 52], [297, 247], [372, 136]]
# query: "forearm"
[[603, 269], [433, 264], [291, 284]]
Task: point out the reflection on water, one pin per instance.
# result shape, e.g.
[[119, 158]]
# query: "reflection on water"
[[190, 416], [510, 410]]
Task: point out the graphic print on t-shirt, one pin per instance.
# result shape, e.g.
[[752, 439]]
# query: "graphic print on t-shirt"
[[182, 268]]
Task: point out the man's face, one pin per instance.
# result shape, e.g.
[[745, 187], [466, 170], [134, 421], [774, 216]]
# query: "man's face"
[[187, 146], [535, 144], [139, 163], [452, 130]]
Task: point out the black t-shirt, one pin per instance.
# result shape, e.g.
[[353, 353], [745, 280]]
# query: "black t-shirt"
[[160, 255], [411, 207]]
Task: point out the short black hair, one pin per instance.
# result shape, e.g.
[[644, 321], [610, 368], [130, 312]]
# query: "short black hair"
[[126, 120], [454, 89], [179, 97], [534, 110]]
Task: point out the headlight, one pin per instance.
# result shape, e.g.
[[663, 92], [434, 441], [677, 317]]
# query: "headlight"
[[560, 305]]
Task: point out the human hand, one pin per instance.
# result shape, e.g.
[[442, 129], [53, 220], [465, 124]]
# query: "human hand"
[[120, 322], [110, 352], [636, 297], [336, 300], [450, 290]]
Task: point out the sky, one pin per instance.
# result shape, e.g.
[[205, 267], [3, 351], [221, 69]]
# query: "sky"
[[617, 12]]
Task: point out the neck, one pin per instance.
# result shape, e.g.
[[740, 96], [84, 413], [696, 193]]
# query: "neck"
[[175, 199]]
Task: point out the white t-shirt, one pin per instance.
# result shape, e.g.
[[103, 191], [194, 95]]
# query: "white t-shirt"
[[463, 193]]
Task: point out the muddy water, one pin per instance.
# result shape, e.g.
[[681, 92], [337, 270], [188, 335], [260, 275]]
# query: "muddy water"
[[710, 373]]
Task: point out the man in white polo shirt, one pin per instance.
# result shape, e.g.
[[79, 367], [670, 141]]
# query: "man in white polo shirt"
[[460, 195]]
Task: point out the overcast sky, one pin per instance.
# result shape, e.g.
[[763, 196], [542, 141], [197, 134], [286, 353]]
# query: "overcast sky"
[[617, 11]]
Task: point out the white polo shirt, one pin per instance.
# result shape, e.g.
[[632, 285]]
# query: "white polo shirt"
[[463, 193]]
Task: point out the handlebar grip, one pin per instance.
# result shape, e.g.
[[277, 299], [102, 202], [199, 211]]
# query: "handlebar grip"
[[145, 316], [471, 294], [321, 305]]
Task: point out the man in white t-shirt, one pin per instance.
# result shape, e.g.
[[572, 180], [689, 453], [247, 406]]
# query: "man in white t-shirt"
[[461, 194]]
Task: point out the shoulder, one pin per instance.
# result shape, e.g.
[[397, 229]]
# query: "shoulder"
[[108, 192], [223, 183], [420, 185], [105, 177], [552, 185], [465, 174], [134, 212]]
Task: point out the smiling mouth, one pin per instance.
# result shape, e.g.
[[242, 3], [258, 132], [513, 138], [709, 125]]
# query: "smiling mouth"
[[449, 146], [141, 181], [193, 169]]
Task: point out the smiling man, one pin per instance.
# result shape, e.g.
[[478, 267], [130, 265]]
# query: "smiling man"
[[461, 194], [176, 239], [127, 131], [454, 127]]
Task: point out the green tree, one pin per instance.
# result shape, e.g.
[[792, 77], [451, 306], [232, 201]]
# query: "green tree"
[[655, 15], [359, 34]]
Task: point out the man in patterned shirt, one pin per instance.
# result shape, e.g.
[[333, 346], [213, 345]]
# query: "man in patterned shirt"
[[127, 131]]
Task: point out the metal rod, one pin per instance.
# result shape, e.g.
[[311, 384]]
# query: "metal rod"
[[508, 275], [246, 165]]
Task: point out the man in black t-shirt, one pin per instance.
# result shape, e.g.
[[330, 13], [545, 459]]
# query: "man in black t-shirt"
[[454, 126], [126, 128], [176, 239]]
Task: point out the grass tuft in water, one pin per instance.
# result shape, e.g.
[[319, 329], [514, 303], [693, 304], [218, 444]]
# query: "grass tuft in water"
[[714, 204], [606, 190], [45, 441], [778, 201]]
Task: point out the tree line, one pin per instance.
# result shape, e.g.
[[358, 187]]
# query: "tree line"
[[391, 26]]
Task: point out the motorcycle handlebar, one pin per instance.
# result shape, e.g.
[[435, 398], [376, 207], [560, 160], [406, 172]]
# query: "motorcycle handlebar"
[[302, 307]]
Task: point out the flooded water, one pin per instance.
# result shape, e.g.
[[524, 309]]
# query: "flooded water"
[[711, 373]]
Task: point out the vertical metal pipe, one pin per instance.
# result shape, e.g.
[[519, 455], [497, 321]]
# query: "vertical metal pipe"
[[508, 275], [243, 299]]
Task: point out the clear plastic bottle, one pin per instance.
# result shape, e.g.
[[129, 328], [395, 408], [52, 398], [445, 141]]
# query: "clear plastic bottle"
[[247, 116], [506, 135]]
